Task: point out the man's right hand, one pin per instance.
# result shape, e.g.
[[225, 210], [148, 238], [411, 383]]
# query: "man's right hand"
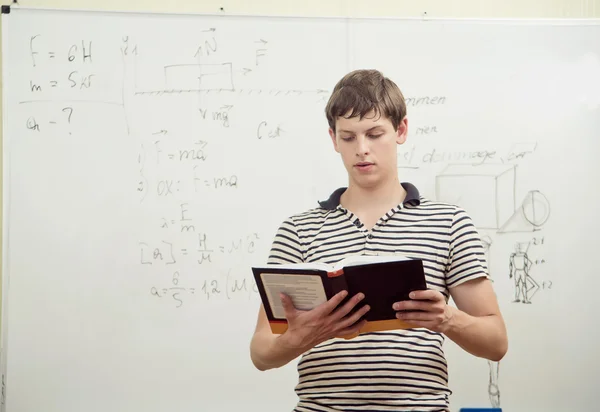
[[328, 320]]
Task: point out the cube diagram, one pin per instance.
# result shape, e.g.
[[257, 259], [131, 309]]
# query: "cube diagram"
[[485, 191]]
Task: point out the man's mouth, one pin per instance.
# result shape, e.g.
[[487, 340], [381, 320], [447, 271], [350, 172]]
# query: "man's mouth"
[[364, 166]]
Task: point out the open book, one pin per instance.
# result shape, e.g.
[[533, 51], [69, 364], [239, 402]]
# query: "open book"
[[384, 280]]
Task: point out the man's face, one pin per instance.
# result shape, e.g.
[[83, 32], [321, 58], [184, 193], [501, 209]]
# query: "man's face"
[[368, 147]]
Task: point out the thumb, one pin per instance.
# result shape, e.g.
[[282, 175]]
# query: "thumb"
[[288, 305]]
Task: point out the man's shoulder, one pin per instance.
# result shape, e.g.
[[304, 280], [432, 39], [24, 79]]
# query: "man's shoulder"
[[320, 210], [453, 214], [311, 215], [435, 207]]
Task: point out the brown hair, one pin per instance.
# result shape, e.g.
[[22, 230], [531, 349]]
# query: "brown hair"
[[361, 91]]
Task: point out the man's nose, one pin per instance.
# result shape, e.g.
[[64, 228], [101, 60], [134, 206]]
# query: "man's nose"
[[362, 146]]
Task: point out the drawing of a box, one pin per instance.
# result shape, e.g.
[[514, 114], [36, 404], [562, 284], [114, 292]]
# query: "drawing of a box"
[[485, 191], [199, 77]]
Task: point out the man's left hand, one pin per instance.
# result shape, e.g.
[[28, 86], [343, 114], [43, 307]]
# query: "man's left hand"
[[428, 310]]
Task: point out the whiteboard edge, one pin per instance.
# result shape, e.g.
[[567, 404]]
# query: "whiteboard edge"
[[485, 20], [5, 220]]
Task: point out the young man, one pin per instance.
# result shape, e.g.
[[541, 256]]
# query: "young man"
[[376, 214]]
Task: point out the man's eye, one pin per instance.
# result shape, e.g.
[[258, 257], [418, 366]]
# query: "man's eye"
[[375, 136], [346, 139]]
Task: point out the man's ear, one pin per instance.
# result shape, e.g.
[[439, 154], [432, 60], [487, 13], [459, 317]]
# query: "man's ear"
[[402, 131], [333, 139]]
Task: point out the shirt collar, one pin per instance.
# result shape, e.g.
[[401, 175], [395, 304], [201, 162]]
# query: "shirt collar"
[[412, 197]]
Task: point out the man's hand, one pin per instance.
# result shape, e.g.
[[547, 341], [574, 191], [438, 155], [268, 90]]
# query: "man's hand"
[[308, 328], [430, 310]]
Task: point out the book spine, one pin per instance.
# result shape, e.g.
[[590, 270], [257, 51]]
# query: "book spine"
[[337, 280], [335, 273]]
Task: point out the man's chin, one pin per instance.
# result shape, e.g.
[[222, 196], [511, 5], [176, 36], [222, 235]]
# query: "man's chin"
[[367, 181]]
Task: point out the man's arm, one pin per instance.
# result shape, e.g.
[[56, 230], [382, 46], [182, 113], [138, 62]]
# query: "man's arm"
[[267, 350], [305, 329], [476, 324]]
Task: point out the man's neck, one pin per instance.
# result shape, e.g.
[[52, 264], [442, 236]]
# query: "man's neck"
[[376, 199]]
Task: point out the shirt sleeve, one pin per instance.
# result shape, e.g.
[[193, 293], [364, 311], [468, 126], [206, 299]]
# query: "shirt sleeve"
[[467, 258], [286, 246]]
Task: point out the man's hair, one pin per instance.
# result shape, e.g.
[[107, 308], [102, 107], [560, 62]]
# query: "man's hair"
[[362, 91]]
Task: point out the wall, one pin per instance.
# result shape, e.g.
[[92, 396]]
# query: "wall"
[[349, 8]]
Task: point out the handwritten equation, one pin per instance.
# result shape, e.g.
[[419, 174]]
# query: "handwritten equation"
[[166, 253], [216, 262], [78, 55], [64, 86], [224, 287], [175, 170], [60, 117], [195, 180]]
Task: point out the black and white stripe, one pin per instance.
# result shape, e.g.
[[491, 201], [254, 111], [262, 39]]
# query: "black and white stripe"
[[394, 370]]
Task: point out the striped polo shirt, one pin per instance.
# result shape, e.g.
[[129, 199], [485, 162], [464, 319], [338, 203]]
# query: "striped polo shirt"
[[393, 370]]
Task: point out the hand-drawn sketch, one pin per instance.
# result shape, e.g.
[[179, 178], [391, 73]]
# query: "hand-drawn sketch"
[[493, 389], [519, 267], [199, 77], [205, 72], [213, 78], [531, 216], [486, 191]]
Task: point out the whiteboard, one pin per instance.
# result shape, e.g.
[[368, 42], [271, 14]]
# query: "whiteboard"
[[149, 159]]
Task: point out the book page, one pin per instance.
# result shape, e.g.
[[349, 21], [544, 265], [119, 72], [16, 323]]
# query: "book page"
[[355, 260], [297, 266], [306, 291]]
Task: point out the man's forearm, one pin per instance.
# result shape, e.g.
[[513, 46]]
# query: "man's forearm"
[[483, 336], [272, 351]]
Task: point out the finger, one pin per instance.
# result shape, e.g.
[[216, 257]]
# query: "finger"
[[424, 305], [428, 294], [348, 306], [351, 330], [327, 307], [416, 316], [355, 317], [288, 305]]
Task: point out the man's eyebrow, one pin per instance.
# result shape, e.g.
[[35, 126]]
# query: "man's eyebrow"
[[369, 130]]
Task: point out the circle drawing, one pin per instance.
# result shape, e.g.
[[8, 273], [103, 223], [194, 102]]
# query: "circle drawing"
[[536, 208]]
